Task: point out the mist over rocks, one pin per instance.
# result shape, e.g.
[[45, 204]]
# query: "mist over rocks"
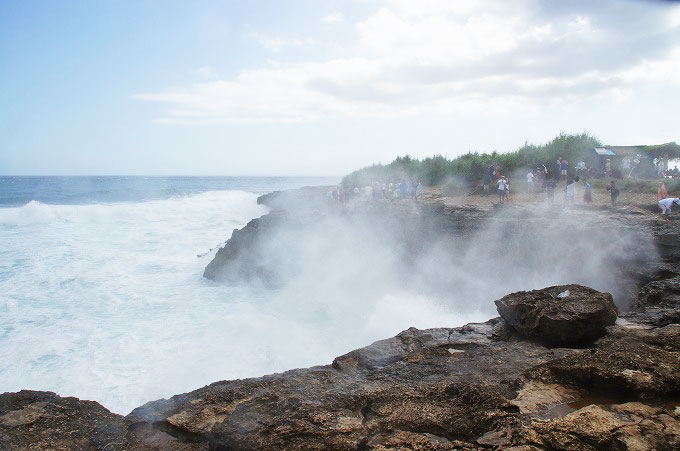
[[483, 385], [462, 256]]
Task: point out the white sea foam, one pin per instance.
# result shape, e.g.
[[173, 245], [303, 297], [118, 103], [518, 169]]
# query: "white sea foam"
[[107, 302]]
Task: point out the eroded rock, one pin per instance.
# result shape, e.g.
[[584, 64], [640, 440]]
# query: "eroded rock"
[[632, 426], [566, 315], [628, 363]]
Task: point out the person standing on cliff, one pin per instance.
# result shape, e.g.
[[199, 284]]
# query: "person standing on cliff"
[[612, 188], [587, 192], [403, 189], [550, 190], [564, 170], [490, 175], [663, 192], [501, 189], [418, 191], [530, 181]]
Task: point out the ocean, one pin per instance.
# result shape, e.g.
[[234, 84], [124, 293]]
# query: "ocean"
[[102, 295]]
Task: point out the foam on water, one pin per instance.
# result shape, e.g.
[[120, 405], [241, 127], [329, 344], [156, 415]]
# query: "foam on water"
[[107, 302]]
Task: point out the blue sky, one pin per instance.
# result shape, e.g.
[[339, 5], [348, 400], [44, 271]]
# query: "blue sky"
[[320, 88]]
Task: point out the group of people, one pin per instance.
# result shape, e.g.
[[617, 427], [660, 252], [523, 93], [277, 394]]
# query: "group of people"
[[393, 191], [540, 180], [493, 174], [377, 191]]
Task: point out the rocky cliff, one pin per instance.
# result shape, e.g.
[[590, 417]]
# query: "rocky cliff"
[[561, 368]]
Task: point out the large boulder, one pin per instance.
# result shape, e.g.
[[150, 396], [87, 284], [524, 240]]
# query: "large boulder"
[[565, 315]]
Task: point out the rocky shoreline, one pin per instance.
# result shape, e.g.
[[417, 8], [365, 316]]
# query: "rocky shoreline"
[[561, 368]]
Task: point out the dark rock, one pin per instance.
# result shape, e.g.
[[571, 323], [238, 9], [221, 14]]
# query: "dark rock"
[[565, 315], [657, 316], [296, 200], [657, 303], [438, 386], [664, 292], [244, 258], [629, 363], [42, 420]]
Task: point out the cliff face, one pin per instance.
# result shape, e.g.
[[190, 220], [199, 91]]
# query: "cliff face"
[[480, 386], [470, 253]]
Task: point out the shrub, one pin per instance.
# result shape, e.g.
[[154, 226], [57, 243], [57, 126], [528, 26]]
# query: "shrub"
[[471, 167]]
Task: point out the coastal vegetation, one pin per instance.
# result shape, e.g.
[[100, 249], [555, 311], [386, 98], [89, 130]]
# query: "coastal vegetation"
[[468, 170], [471, 166]]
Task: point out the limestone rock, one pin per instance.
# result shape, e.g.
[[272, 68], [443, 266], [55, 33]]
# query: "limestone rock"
[[566, 315], [633, 426]]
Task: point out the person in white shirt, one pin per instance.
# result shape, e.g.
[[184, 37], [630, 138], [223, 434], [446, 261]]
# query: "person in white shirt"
[[666, 204], [530, 181], [502, 185]]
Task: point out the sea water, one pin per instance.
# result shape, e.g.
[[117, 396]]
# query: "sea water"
[[102, 295]]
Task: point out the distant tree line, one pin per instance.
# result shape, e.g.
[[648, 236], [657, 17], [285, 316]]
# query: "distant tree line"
[[470, 168]]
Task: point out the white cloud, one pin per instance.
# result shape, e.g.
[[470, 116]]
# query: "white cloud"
[[661, 70], [674, 18], [437, 56], [205, 72], [333, 17], [277, 43]]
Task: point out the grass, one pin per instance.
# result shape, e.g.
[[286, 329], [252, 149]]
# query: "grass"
[[639, 186]]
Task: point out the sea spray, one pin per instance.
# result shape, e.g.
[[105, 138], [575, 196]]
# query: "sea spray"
[[106, 301]]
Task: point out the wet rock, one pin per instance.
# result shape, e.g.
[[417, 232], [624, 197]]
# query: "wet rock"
[[244, 258], [566, 315], [664, 292], [460, 388], [43, 420], [628, 363], [409, 390], [658, 303], [537, 398]]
